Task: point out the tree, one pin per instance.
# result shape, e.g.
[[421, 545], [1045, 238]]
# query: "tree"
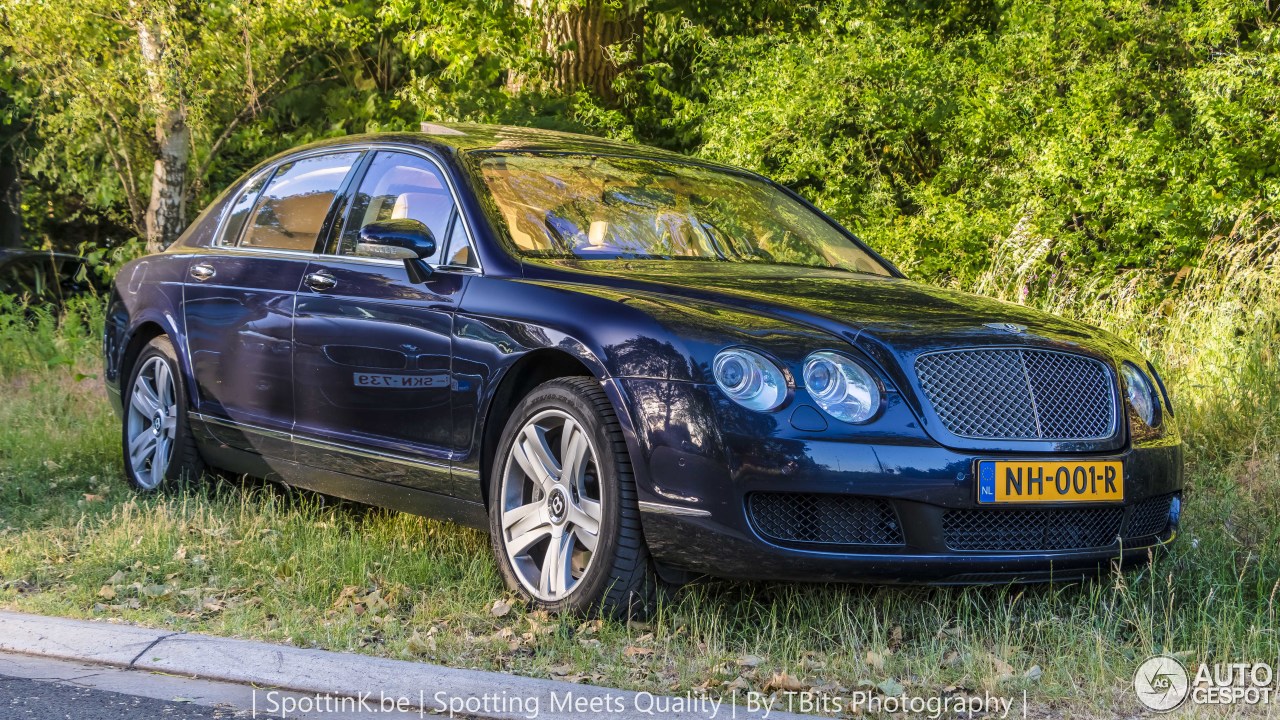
[[587, 42], [10, 133], [136, 98]]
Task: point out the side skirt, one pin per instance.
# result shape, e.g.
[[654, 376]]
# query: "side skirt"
[[349, 487]]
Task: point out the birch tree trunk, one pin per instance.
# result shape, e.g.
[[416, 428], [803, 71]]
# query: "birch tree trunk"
[[166, 212]]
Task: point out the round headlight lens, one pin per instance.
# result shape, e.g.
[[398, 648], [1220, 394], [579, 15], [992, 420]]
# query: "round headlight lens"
[[1140, 394], [750, 379], [841, 387]]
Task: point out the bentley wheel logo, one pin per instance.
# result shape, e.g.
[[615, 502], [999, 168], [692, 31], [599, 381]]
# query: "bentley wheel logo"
[[1014, 328], [1161, 683]]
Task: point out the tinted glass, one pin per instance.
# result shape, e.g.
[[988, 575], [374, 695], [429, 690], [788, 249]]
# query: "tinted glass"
[[240, 210], [397, 186], [294, 205], [618, 207], [459, 248]]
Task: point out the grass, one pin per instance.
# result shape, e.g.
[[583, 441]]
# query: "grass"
[[252, 559]]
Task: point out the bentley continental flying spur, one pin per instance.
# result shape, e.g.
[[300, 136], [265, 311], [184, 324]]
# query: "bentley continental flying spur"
[[631, 368]]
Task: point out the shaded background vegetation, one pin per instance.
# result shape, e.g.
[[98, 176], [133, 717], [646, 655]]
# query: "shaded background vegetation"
[[1086, 136], [1115, 162]]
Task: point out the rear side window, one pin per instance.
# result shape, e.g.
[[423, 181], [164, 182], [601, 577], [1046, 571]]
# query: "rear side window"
[[294, 205], [240, 210], [399, 185]]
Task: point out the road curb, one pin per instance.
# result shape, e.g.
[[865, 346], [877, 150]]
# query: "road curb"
[[431, 688]]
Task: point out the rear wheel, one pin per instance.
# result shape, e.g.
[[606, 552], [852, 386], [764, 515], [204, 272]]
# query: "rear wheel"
[[563, 516], [157, 442]]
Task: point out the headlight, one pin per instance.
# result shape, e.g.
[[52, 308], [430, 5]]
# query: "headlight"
[[750, 379], [841, 387], [1138, 390]]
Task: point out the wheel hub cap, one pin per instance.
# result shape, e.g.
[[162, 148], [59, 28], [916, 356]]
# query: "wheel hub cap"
[[557, 506]]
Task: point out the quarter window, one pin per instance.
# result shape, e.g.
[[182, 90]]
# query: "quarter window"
[[294, 206], [399, 185], [240, 210]]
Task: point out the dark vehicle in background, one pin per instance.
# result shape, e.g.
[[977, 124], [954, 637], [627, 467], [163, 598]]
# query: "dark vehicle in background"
[[630, 367], [38, 277]]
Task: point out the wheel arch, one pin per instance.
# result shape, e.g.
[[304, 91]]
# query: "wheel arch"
[[532, 369], [144, 331]]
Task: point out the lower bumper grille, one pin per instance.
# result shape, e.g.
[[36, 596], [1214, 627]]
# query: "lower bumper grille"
[[825, 519], [1149, 518], [1046, 530], [1032, 529]]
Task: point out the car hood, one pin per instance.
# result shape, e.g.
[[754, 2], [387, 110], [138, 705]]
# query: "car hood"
[[906, 316]]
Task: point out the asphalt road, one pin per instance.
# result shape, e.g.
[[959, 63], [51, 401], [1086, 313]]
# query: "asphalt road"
[[23, 699]]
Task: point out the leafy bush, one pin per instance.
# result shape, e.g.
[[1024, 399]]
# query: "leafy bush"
[[1119, 134]]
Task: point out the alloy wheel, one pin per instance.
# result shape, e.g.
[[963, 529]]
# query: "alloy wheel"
[[152, 424], [551, 504]]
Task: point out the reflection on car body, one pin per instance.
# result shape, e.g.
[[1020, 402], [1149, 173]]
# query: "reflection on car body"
[[631, 367]]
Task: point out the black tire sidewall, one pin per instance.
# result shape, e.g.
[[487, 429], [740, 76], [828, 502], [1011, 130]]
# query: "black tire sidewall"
[[586, 596], [186, 460]]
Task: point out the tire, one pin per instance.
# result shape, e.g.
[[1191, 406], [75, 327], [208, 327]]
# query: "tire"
[[537, 505], [156, 438]]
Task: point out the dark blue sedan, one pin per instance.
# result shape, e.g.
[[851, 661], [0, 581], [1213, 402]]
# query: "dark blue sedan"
[[632, 368]]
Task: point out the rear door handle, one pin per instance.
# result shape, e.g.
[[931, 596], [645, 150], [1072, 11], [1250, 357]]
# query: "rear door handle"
[[202, 272], [320, 281]]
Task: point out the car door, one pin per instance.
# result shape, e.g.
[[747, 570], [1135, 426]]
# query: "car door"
[[239, 300], [372, 365]]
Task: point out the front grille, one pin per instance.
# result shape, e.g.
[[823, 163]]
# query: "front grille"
[[1149, 517], [1019, 394], [825, 519], [1017, 530]]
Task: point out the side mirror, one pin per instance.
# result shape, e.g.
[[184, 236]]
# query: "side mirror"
[[403, 239]]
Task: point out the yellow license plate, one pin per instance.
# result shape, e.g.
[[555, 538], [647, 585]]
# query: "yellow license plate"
[[1001, 481]]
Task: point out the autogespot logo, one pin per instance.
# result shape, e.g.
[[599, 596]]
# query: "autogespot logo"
[[1162, 683]]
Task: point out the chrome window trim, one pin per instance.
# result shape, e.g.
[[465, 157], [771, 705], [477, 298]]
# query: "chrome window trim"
[[310, 441], [359, 147]]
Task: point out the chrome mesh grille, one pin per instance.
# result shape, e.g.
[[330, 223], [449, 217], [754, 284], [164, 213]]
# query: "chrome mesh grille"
[[1019, 394], [825, 519]]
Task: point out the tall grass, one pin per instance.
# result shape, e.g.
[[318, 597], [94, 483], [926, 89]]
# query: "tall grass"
[[253, 559]]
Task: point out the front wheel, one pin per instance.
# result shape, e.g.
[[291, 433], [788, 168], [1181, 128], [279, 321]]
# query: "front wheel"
[[563, 516], [158, 445]]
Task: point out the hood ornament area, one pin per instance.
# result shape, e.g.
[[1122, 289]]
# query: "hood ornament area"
[[1014, 328]]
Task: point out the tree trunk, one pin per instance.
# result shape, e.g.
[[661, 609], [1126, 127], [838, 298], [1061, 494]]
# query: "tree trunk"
[[578, 41], [166, 211], [10, 207]]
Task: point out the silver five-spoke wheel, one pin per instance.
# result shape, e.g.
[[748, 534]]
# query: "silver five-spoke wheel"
[[551, 504], [152, 423]]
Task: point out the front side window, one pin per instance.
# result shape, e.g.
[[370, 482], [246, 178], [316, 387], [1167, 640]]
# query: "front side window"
[[594, 207], [399, 186], [294, 205]]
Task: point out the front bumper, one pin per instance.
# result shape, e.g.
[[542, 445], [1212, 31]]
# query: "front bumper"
[[697, 475]]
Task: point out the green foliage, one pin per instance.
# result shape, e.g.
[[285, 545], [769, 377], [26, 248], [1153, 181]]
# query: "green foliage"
[[1107, 134], [1085, 137]]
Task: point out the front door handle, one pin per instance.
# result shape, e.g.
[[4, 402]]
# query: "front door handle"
[[202, 272], [320, 281]]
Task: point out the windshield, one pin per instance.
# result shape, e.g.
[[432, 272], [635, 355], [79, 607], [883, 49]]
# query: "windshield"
[[593, 207]]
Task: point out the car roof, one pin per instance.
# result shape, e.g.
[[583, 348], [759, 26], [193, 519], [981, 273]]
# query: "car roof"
[[474, 137]]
